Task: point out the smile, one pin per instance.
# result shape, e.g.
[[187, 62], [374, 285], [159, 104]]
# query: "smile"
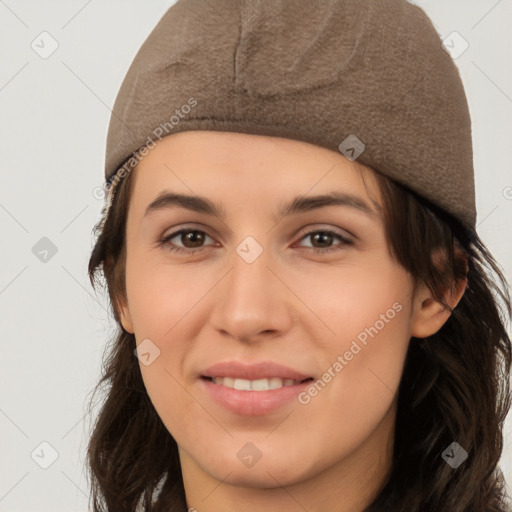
[[254, 397], [255, 385]]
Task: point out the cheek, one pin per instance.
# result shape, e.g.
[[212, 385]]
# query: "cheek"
[[360, 301], [160, 295], [367, 312]]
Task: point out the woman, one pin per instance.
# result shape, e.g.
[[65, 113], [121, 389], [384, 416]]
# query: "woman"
[[255, 366]]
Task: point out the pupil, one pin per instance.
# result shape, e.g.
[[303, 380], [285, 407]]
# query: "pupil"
[[322, 234], [196, 238], [191, 235]]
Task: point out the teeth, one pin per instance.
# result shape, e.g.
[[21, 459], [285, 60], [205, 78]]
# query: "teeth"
[[254, 385]]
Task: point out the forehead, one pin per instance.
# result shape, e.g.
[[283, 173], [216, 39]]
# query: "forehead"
[[246, 169]]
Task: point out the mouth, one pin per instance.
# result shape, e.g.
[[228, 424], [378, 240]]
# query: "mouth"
[[257, 397], [265, 384], [253, 389]]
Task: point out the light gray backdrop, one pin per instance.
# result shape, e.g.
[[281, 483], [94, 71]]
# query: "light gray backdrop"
[[62, 65]]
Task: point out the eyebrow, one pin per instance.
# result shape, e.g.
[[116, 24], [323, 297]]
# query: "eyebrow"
[[299, 204]]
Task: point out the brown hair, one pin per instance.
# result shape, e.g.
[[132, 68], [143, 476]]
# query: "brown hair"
[[454, 388]]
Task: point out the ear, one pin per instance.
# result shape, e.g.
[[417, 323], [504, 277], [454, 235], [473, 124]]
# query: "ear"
[[429, 315], [119, 300], [125, 317]]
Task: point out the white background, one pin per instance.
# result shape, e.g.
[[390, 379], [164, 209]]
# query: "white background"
[[54, 117]]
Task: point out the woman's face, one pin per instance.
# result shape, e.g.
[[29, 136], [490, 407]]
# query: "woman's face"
[[249, 288]]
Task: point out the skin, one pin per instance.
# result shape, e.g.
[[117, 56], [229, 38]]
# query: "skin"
[[290, 305]]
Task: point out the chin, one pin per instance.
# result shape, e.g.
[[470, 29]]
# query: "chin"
[[265, 474], [258, 478]]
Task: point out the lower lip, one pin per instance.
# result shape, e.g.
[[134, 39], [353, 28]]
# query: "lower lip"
[[252, 403]]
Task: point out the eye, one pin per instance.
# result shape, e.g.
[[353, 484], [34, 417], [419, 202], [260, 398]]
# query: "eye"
[[326, 236], [193, 238], [187, 236]]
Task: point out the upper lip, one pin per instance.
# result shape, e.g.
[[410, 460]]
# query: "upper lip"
[[254, 371]]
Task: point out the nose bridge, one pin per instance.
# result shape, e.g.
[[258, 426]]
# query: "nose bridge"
[[251, 299], [250, 279]]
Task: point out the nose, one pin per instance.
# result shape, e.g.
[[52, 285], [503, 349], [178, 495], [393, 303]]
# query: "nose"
[[253, 302]]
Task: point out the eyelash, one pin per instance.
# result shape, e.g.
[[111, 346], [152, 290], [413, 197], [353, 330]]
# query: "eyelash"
[[165, 241]]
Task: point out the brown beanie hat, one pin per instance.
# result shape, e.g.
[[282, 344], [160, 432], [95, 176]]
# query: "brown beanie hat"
[[369, 79]]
